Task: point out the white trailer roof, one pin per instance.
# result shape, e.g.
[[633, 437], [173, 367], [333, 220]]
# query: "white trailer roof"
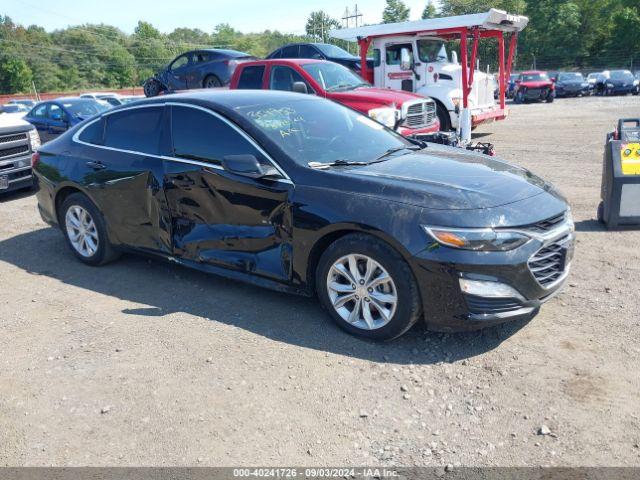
[[492, 20]]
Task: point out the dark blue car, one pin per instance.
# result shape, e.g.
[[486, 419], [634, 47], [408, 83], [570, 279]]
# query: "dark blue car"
[[196, 69], [51, 118]]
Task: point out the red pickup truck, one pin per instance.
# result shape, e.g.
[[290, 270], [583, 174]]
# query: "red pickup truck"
[[406, 112]]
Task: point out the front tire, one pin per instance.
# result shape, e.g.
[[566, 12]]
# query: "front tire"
[[519, 98], [367, 288], [152, 88], [85, 231], [444, 117]]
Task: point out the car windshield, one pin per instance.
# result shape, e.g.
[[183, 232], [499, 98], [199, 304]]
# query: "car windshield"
[[333, 51], [621, 75], [312, 130], [571, 77], [333, 77], [85, 108], [534, 77]]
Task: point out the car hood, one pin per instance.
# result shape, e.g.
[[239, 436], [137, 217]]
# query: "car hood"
[[538, 84], [375, 95], [446, 179]]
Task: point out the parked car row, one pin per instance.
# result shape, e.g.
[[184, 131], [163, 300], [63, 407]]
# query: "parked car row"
[[539, 85], [53, 117]]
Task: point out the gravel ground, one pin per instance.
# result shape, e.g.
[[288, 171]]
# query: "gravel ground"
[[146, 363]]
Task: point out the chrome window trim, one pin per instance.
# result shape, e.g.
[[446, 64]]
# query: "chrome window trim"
[[76, 139]]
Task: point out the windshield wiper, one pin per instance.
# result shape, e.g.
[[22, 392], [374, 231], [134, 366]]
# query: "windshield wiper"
[[336, 163], [391, 151]]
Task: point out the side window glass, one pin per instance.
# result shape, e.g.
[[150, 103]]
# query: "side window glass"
[[138, 130], [251, 77], [93, 133], [179, 62], [290, 52], [283, 78], [189, 142], [55, 113], [40, 111], [393, 53], [307, 51], [201, 57], [376, 57]]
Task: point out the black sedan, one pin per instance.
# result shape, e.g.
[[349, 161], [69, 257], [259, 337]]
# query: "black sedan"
[[571, 84], [306, 196], [320, 51], [620, 82], [197, 69]]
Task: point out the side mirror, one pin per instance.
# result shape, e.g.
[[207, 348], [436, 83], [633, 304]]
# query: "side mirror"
[[300, 87], [406, 62], [454, 57], [248, 166]]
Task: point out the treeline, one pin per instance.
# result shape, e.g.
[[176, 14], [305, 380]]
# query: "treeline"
[[581, 34], [103, 56]]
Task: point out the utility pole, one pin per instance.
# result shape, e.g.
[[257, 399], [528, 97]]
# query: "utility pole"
[[356, 15]]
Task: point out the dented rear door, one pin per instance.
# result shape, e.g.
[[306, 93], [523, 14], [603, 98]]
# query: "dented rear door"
[[220, 218], [125, 174]]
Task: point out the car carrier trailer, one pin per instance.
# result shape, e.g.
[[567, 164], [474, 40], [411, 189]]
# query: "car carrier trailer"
[[412, 56]]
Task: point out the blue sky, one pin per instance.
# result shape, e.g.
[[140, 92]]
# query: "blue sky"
[[245, 15]]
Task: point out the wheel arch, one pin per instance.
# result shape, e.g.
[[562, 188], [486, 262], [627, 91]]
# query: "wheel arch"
[[334, 233]]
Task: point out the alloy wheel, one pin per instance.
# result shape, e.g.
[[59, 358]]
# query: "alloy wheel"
[[362, 292], [82, 231]]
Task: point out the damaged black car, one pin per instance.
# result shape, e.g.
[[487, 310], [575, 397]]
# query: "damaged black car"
[[306, 196]]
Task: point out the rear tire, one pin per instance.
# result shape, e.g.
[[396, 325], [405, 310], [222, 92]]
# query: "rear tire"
[[384, 301], [211, 81], [85, 230]]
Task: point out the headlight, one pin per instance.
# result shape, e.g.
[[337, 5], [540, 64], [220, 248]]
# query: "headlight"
[[484, 239], [610, 85], [386, 115], [34, 139]]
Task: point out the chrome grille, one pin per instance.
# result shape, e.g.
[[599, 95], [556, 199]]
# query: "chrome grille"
[[420, 114], [548, 224], [549, 263], [10, 152], [13, 138]]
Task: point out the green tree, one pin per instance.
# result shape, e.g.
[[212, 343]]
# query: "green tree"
[[395, 11], [318, 25], [429, 11], [15, 75]]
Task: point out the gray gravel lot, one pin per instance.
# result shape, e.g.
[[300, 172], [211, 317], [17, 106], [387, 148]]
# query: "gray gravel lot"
[[146, 363]]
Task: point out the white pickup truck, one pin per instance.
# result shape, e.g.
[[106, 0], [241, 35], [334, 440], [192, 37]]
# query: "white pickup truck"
[[18, 140]]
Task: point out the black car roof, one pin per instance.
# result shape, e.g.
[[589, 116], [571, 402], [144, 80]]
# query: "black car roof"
[[233, 53], [229, 99]]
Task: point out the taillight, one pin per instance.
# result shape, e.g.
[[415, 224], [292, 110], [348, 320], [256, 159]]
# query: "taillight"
[[35, 159]]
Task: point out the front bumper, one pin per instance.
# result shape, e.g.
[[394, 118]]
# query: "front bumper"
[[438, 270], [18, 172], [406, 131], [537, 94], [571, 91]]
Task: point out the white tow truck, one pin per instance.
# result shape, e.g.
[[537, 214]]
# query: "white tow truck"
[[413, 56]]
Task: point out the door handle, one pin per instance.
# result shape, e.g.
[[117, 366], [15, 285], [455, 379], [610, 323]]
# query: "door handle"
[[96, 165]]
